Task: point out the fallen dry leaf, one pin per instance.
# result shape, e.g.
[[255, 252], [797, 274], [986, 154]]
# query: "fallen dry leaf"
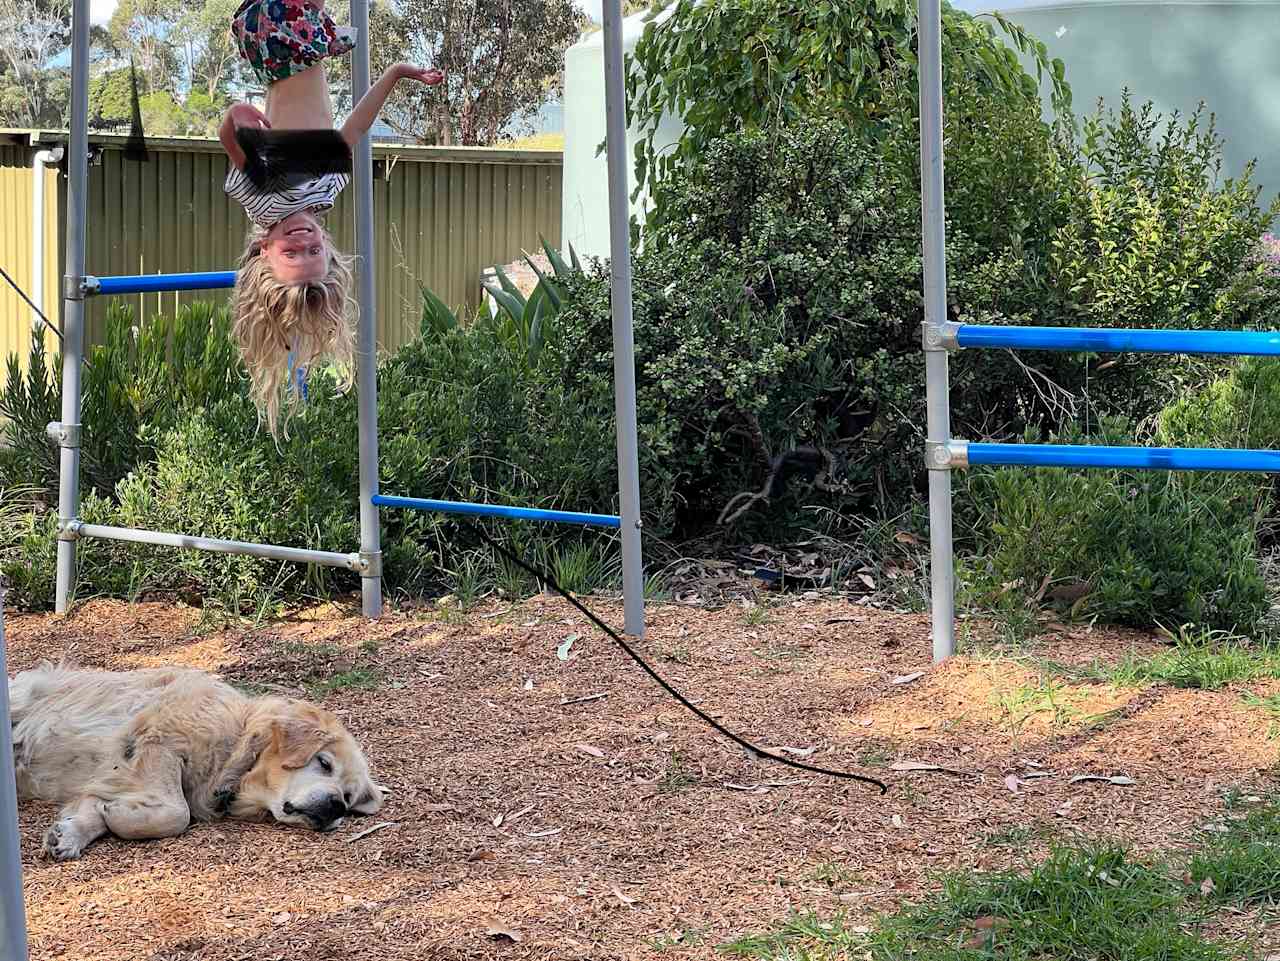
[[481, 855], [622, 897], [921, 766], [908, 678], [367, 831], [799, 751], [1012, 782], [1207, 887], [589, 749], [500, 929], [991, 922]]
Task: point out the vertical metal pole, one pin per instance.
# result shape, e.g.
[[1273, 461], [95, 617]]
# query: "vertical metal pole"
[[73, 306], [367, 336], [933, 209], [13, 914], [624, 365]]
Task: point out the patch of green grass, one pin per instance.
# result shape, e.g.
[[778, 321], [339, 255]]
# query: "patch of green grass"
[[1240, 856], [656, 588], [875, 757], [681, 940], [581, 568], [512, 582], [805, 937], [354, 679], [1271, 705], [369, 646], [1204, 660], [1044, 696], [1015, 836], [676, 777], [309, 651], [834, 875], [757, 615], [679, 653], [473, 578], [1093, 903]]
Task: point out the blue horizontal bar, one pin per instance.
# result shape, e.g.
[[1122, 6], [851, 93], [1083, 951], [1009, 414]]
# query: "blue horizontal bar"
[[497, 510], [159, 283], [1141, 458], [1109, 341]]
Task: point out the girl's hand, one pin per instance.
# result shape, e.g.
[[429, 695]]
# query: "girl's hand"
[[428, 75], [247, 115]]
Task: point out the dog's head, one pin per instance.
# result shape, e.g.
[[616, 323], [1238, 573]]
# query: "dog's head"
[[308, 771]]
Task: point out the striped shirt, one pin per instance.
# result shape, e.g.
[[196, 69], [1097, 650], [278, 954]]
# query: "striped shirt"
[[266, 208]]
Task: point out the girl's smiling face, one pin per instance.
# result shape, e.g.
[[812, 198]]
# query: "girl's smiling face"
[[296, 250]]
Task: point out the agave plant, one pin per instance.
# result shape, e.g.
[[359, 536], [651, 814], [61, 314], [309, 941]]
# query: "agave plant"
[[525, 320]]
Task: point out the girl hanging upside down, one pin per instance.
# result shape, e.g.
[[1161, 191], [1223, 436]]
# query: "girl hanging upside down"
[[293, 303]]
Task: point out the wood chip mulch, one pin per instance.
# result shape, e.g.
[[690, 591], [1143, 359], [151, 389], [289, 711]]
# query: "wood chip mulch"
[[533, 818]]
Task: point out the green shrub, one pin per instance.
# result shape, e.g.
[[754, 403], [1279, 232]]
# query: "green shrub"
[[462, 417], [1150, 235], [729, 66], [1239, 409], [1148, 547], [778, 306], [135, 385]]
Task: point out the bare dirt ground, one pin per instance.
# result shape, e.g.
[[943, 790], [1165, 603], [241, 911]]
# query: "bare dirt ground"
[[610, 827]]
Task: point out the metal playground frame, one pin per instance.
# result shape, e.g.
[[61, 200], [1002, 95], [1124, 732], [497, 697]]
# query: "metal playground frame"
[[943, 453], [78, 286]]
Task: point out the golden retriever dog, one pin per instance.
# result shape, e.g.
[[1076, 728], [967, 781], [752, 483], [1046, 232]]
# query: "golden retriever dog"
[[141, 754]]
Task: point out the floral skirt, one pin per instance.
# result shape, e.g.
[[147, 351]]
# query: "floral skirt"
[[279, 38]]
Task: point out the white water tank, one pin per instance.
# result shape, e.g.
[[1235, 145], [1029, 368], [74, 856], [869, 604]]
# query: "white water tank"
[[585, 203]]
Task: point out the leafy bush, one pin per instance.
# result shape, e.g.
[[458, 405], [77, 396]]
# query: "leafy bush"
[[135, 385], [730, 66], [461, 418], [1240, 409], [1150, 235], [778, 304], [1141, 547]]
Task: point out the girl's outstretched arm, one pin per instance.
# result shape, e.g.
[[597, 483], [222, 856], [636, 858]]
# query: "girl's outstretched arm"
[[370, 105], [239, 115]]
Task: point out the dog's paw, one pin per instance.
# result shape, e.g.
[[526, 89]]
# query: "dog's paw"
[[61, 842], [223, 799]]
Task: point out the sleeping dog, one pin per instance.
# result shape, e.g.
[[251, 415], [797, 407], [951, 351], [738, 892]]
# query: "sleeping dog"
[[141, 754]]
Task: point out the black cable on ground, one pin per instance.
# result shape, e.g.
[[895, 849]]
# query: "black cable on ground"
[[550, 581]]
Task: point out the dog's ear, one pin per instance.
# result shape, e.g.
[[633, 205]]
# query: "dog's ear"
[[297, 739], [370, 799]]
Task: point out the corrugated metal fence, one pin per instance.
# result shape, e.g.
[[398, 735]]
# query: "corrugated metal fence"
[[444, 215]]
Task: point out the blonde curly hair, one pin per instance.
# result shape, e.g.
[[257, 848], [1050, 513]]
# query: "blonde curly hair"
[[315, 321]]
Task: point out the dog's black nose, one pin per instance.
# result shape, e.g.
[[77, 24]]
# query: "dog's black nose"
[[328, 810]]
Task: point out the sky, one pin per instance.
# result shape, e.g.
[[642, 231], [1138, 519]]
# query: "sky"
[[100, 10]]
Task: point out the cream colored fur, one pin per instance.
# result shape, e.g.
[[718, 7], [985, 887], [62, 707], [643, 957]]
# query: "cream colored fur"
[[141, 754]]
